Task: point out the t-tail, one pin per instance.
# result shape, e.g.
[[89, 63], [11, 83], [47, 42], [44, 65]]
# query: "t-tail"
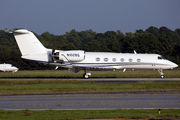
[[28, 42], [30, 47]]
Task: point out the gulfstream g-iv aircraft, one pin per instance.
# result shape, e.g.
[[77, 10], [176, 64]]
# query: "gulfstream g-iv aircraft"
[[8, 68], [32, 49]]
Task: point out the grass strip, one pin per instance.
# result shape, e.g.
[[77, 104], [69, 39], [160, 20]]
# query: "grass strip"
[[10, 87], [95, 74], [88, 114]]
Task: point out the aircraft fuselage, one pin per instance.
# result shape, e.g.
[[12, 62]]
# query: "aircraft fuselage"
[[32, 49]]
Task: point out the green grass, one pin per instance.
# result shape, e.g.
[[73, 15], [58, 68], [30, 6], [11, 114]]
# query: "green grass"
[[86, 114], [9, 87], [95, 74]]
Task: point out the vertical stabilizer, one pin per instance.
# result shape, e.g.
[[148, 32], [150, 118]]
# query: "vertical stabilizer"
[[28, 42]]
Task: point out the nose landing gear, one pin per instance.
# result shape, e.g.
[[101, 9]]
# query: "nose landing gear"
[[161, 73]]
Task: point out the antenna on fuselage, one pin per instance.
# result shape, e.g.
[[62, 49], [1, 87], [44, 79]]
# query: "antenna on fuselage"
[[135, 52]]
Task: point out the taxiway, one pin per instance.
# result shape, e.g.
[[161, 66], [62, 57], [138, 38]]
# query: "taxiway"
[[93, 101], [90, 101]]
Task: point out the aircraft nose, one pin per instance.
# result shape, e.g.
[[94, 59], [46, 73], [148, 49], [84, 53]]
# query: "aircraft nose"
[[174, 65], [16, 70]]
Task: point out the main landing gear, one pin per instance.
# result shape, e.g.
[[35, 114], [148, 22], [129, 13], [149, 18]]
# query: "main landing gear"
[[87, 74], [161, 73]]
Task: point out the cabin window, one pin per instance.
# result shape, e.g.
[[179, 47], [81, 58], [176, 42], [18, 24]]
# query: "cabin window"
[[122, 59], [114, 59], [138, 60], [97, 59], [130, 59], [105, 59]]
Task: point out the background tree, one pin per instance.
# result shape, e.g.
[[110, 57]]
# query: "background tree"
[[153, 40]]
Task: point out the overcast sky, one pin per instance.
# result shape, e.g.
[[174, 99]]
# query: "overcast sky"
[[61, 16]]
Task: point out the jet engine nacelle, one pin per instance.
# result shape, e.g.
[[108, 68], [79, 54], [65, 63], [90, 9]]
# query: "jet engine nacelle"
[[70, 55]]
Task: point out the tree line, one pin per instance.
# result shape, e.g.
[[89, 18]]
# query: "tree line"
[[162, 41]]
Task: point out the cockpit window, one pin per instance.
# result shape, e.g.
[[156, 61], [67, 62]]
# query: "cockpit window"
[[161, 57]]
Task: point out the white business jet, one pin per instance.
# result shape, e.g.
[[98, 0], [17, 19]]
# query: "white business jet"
[[8, 68], [32, 49]]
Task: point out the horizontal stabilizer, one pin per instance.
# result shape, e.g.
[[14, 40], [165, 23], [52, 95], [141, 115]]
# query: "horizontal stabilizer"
[[21, 31]]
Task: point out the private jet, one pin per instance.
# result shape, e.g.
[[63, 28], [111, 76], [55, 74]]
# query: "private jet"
[[8, 68], [75, 60]]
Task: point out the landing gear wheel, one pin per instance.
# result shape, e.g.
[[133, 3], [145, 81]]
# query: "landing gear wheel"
[[161, 73], [86, 76], [162, 76]]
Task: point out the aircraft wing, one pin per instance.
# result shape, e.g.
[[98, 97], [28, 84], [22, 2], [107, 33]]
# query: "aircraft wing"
[[76, 69]]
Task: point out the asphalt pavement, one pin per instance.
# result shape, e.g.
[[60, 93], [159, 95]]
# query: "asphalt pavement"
[[90, 101]]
